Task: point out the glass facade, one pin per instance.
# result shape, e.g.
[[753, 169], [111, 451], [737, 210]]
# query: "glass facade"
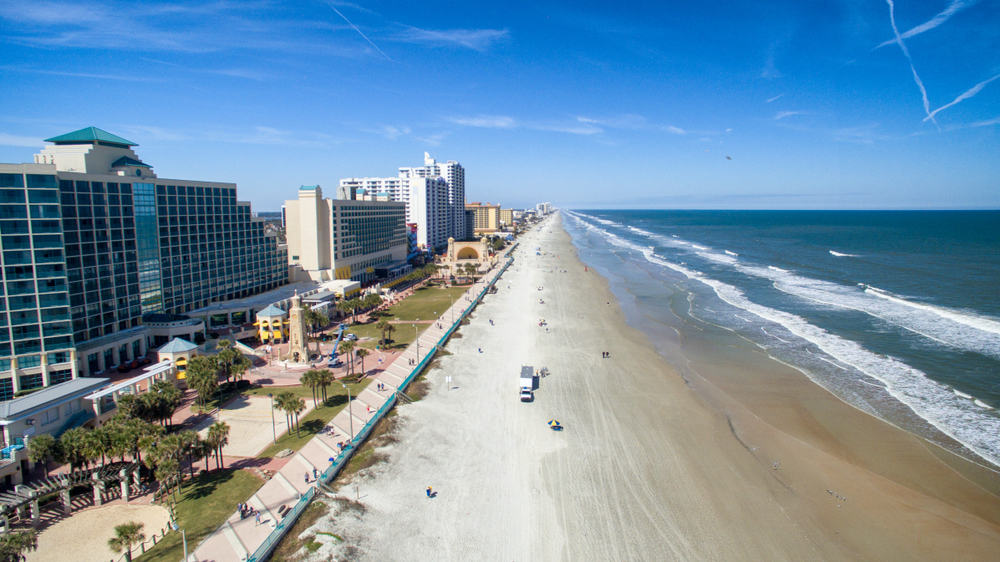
[[83, 256], [35, 326], [211, 248], [149, 247], [100, 242]]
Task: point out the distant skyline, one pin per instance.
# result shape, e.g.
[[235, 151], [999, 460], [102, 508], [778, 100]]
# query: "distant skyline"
[[844, 105]]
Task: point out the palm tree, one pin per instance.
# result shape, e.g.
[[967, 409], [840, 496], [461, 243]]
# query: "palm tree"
[[240, 367], [324, 378], [126, 535], [218, 437], [96, 444], [42, 449], [14, 544], [383, 327], [297, 406], [73, 445], [203, 376], [226, 358], [171, 399], [309, 379], [347, 348], [283, 402], [190, 447], [362, 353]]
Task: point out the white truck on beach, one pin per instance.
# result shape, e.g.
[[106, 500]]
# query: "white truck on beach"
[[526, 383]]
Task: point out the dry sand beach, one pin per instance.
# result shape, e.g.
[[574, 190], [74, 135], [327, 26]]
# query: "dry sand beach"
[[741, 458]]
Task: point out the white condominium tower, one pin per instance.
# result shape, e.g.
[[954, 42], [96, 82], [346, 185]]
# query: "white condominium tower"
[[434, 195]]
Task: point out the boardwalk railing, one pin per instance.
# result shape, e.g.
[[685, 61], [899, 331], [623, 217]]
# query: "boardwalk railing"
[[338, 463]]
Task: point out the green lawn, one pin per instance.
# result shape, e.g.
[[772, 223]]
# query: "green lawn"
[[204, 504], [427, 303], [312, 422]]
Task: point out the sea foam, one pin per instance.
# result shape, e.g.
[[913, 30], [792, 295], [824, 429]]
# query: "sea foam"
[[934, 402]]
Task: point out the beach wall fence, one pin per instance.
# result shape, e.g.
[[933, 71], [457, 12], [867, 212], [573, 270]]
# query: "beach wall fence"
[[338, 463]]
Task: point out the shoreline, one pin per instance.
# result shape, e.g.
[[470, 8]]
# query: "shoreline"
[[651, 464]]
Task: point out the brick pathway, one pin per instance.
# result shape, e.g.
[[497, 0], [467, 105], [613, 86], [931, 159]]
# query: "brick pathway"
[[238, 538]]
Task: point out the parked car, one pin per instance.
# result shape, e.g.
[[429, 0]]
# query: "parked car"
[[350, 337]]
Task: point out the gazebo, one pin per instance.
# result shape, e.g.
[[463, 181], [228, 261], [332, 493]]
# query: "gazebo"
[[272, 325], [178, 351]]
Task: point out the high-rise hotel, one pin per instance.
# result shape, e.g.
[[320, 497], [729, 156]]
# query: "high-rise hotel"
[[92, 240], [434, 195]]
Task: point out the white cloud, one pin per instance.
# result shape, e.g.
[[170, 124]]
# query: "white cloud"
[[16, 140], [485, 121], [475, 39], [783, 114], [674, 130], [775, 98]]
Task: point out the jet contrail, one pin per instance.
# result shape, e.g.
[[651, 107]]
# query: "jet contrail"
[[906, 52], [941, 17], [963, 96], [365, 37]]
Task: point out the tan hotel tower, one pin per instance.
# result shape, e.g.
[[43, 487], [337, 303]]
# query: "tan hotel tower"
[[344, 239]]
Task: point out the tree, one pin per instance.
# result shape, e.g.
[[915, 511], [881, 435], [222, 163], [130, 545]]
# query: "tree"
[[362, 353], [73, 444], [240, 367], [218, 437], [14, 544], [191, 446], [129, 406], [324, 378], [203, 376], [127, 535], [384, 327], [170, 399], [311, 379], [347, 348], [297, 405], [315, 318], [283, 402], [42, 449], [96, 444], [226, 358]]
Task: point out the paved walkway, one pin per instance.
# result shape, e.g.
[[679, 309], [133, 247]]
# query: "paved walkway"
[[238, 538]]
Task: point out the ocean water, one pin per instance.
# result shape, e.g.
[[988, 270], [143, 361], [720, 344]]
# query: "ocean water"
[[896, 313]]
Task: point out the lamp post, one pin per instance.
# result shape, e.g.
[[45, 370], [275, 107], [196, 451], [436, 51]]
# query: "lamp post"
[[274, 432], [350, 415], [416, 339]]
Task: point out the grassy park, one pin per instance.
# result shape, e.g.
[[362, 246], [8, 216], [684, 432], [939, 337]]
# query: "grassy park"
[[314, 421], [203, 504], [425, 304]]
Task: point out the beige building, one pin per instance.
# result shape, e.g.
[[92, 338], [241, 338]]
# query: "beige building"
[[487, 217], [344, 239], [507, 218]]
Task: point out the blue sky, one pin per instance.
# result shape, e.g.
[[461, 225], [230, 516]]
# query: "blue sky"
[[586, 104]]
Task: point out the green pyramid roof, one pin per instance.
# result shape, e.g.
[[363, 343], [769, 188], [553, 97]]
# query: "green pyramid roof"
[[271, 311], [90, 134], [177, 345]]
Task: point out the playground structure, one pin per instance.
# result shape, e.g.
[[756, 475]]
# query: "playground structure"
[[22, 505]]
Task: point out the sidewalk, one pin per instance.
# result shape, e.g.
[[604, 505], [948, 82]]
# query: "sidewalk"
[[237, 539]]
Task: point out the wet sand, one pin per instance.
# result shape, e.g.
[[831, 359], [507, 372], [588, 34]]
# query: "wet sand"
[[741, 458]]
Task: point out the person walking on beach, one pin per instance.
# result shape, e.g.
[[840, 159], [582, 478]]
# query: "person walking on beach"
[[430, 492]]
